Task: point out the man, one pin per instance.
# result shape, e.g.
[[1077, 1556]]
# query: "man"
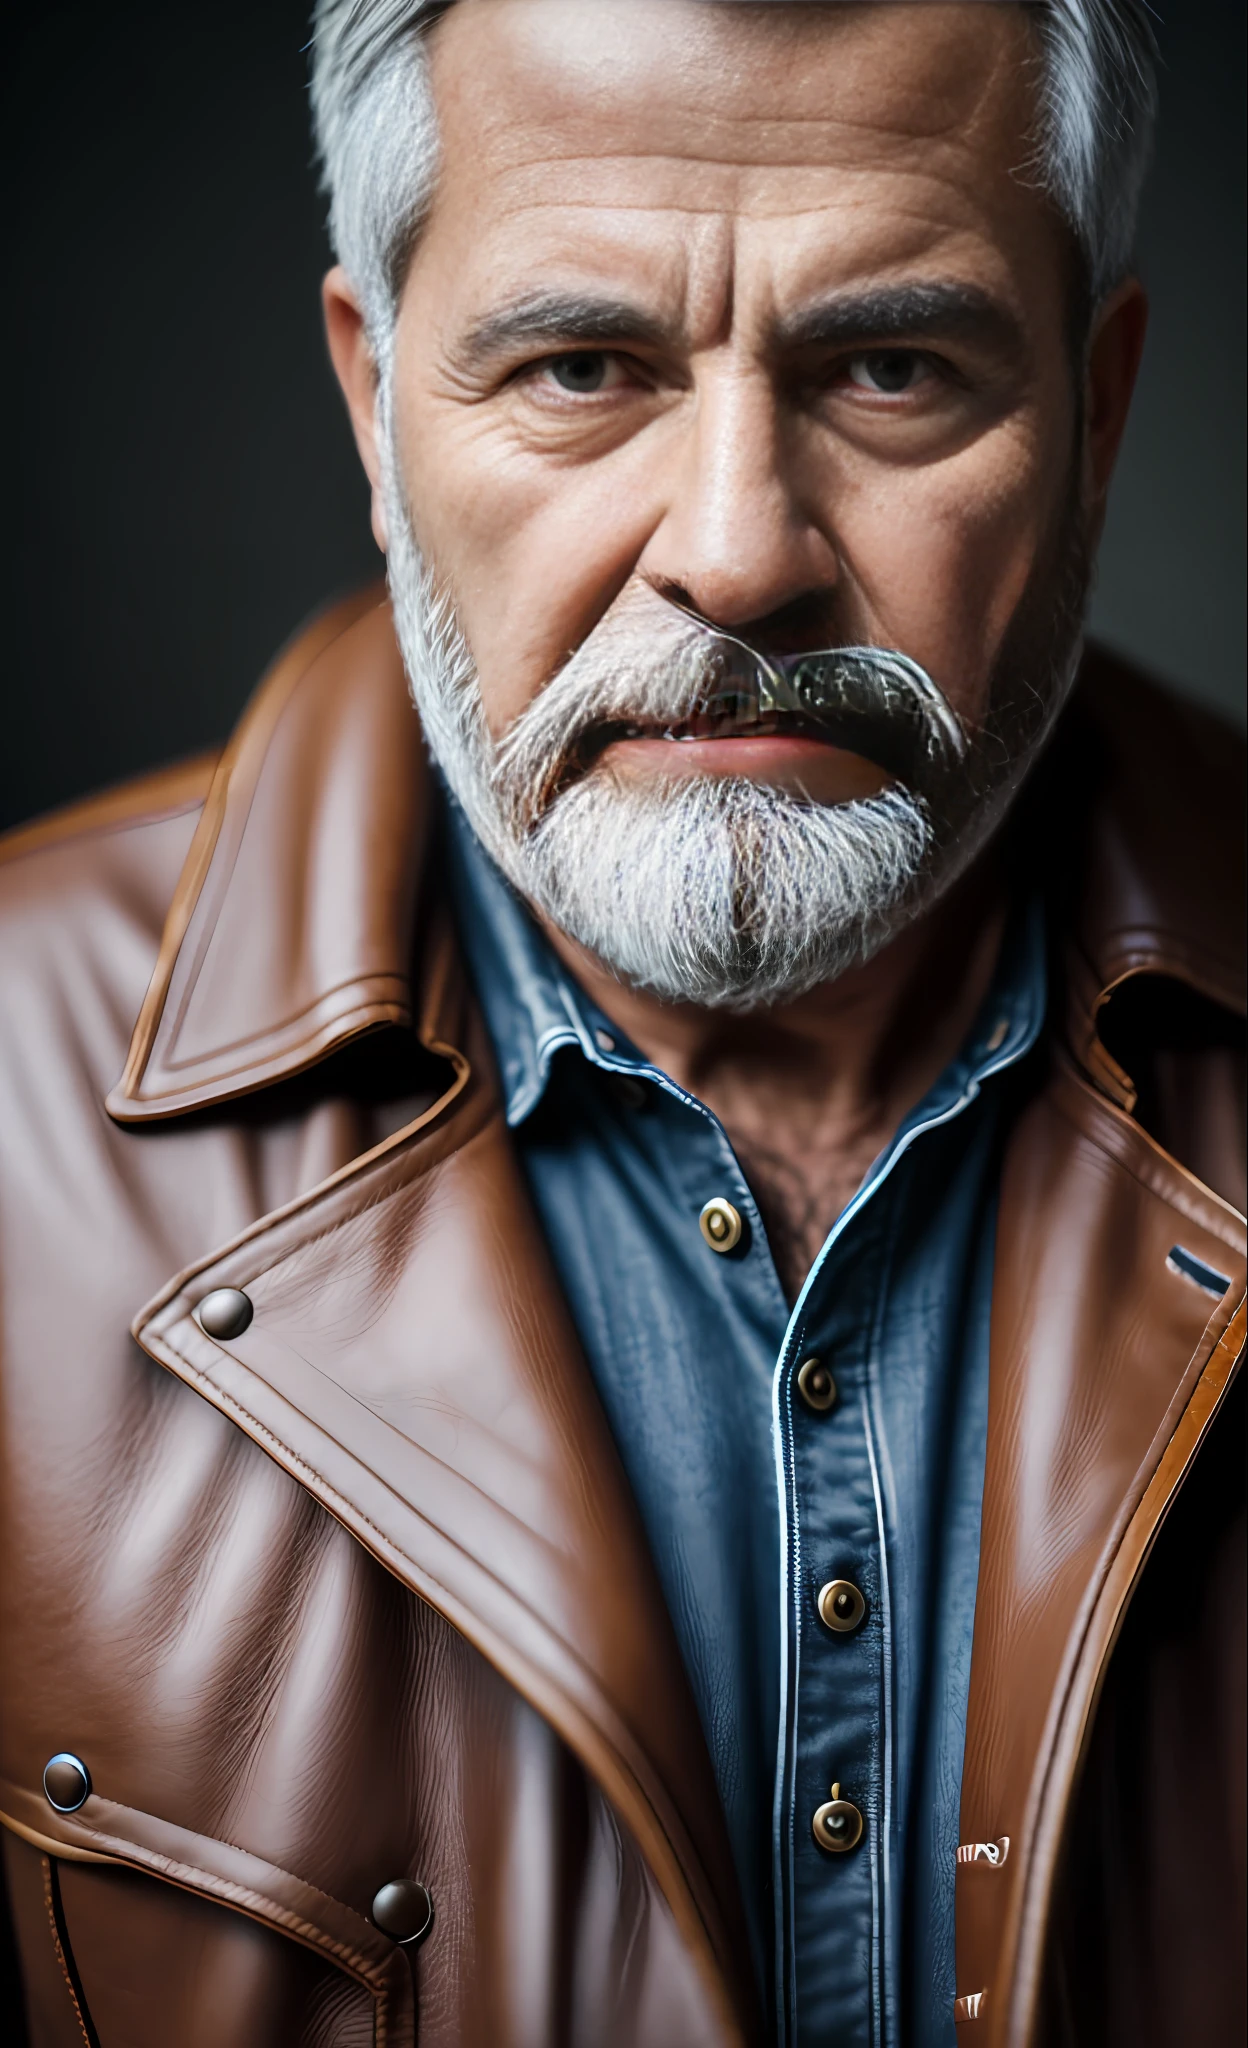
[[675, 1480]]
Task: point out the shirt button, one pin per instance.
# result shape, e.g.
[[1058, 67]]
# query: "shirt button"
[[720, 1225], [816, 1386], [837, 1824], [841, 1606], [630, 1093]]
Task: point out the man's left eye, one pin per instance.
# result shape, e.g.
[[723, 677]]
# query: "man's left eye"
[[584, 371], [889, 371]]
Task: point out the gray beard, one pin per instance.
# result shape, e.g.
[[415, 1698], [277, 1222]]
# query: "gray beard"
[[714, 891]]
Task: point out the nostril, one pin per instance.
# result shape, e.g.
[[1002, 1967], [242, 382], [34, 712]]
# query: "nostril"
[[802, 625], [678, 594]]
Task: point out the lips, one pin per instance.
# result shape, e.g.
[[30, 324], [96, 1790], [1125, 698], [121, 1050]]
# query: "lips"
[[742, 719], [720, 725]]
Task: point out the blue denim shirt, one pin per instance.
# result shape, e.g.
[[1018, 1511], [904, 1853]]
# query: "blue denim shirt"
[[753, 1500]]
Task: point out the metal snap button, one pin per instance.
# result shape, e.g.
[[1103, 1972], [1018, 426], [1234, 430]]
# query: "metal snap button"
[[66, 1781], [224, 1313], [721, 1225], [403, 1909], [837, 1824], [816, 1386], [841, 1606]]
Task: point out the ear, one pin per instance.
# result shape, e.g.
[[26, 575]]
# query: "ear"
[[1113, 360], [356, 372]]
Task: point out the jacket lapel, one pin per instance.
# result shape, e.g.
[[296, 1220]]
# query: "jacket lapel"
[[1108, 1360], [410, 1360], [292, 926]]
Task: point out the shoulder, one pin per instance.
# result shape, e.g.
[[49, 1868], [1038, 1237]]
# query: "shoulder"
[[1145, 824], [1169, 752], [130, 840], [144, 799], [83, 898]]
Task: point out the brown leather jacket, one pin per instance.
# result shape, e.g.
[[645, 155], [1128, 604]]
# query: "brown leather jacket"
[[361, 1594]]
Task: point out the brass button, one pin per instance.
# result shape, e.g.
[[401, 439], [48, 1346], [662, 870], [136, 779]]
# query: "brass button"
[[403, 1909], [66, 1781], [816, 1386], [224, 1313], [841, 1606], [720, 1225], [837, 1825]]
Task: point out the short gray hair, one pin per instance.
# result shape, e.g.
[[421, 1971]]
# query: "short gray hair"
[[377, 140]]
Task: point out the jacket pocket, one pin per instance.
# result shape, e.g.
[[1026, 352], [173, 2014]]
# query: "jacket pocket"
[[169, 1935]]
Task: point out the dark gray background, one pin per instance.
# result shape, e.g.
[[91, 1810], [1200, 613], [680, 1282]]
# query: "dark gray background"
[[182, 488]]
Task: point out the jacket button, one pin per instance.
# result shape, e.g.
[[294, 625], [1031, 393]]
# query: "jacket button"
[[403, 1909], [816, 1386], [225, 1312], [720, 1225], [837, 1824], [66, 1781], [841, 1606]]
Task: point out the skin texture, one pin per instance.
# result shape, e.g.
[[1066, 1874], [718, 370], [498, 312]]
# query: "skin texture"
[[754, 305]]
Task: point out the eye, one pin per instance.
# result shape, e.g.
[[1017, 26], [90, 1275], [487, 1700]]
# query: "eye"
[[889, 372], [585, 372]]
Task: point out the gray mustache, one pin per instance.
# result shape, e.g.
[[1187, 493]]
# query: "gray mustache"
[[871, 700]]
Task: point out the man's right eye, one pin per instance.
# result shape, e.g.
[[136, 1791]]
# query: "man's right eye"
[[584, 371]]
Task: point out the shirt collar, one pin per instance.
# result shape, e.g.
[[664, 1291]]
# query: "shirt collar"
[[533, 1007]]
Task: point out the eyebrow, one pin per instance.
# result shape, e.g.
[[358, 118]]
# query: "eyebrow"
[[938, 311], [552, 317]]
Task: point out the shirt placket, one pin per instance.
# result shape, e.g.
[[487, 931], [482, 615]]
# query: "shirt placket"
[[832, 1819]]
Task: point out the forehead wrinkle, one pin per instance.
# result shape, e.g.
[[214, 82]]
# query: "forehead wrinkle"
[[556, 153], [745, 138], [661, 182]]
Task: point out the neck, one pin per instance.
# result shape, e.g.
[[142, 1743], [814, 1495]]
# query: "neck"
[[811, 1091]]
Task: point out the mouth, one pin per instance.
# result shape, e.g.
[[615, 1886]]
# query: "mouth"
[[747, 723], [867, 705], [782, 750], [828, 727], [739, 736]]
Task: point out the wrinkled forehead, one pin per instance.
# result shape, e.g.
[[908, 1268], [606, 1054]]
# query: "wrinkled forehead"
[[586, 126]]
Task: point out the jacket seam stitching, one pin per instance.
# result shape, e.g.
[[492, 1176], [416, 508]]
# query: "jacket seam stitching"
[[228, 1888], [1224, 1342], [239, 1850], [59, 1949]]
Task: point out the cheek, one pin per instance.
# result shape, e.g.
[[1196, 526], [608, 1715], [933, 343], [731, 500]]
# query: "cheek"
[[533, 552], [939, 557]]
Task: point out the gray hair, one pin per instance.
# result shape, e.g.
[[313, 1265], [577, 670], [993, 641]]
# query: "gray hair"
[[377, 141]]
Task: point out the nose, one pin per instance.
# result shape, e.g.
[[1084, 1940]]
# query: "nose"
[[738, 541]]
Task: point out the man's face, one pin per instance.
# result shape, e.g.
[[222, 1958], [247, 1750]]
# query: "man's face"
[[748, 309]]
